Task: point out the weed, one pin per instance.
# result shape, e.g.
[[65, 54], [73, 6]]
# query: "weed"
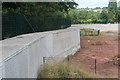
[[61, 70]]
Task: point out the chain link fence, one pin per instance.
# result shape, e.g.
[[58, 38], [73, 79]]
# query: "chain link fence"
[[13, 24]]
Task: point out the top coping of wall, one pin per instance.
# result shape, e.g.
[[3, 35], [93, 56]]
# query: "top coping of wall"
[[16, 44]]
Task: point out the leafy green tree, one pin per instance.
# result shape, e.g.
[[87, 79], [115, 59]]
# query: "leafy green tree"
[[39, 8], [94, 16], [112, 10], [84, 16], [98, 8], [104, 16], [119, 13], [73, 14]]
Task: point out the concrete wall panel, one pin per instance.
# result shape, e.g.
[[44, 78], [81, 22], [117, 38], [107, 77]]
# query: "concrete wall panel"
[[24, 60]]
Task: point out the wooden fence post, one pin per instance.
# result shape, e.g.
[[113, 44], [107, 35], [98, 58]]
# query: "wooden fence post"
[[95, 66]]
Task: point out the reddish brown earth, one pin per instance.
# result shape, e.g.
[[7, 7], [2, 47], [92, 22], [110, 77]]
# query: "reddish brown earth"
[[102, 48]]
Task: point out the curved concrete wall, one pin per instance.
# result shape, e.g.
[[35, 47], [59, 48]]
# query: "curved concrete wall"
[[23, 55], [0, 70], [101, 27]]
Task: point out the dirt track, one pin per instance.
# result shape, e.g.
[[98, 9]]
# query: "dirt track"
[[101, 27], [102, 48]]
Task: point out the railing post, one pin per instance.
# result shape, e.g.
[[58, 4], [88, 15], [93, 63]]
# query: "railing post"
[[98, 32], [95, 66], [43, 60]]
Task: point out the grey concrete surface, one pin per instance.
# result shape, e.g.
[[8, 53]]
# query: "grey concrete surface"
[[101, 27], [23, 55]]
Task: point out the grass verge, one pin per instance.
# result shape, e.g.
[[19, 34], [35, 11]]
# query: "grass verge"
[[62, 70]]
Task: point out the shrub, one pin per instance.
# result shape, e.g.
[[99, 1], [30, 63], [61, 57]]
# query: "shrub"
[[61, 70]]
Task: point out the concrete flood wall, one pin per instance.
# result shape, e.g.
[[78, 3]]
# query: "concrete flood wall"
[[0, 60], [101, 27], [23, 55], [0, 70]]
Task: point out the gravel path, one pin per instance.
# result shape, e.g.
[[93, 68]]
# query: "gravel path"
[[101, 27]]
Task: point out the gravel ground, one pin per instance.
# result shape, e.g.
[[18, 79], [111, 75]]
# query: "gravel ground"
[[101, 27]]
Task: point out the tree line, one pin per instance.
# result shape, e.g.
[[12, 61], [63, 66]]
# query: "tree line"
[[48, 9], [109, 14]]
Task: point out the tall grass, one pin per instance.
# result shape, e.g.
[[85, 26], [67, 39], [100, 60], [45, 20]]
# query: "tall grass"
[[88, 32], [62, 70]]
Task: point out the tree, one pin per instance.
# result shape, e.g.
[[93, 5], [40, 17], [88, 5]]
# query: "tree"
[[112, 10], [98, 8], [118, 12], [74, 14], [84, 16], [39, 8], [104, 16]]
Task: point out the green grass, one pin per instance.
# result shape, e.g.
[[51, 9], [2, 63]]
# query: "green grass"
[[86, 29], [88, 32]]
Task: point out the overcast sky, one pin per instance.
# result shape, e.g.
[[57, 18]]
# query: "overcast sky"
[[92, 3]]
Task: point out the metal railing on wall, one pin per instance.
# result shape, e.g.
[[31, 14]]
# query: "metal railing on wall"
[[13, 24]]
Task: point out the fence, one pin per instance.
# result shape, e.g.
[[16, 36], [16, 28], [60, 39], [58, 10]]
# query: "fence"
[[13, 24], [89, 33]]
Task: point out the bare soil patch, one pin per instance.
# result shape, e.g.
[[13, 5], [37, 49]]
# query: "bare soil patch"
[[102, 48]]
